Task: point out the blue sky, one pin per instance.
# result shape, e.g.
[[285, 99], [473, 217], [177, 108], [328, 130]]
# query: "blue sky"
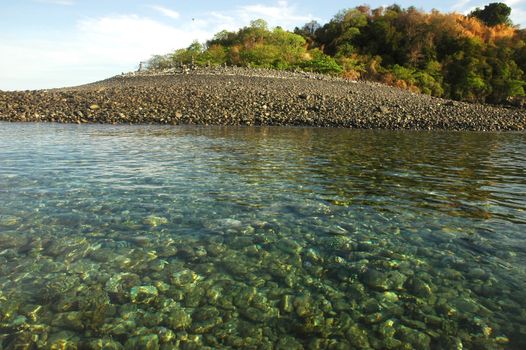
[[55, 43]]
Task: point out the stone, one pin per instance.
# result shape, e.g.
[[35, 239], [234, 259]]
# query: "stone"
[[288, 343], [289, 246], [419, 288], [478, 273], [417, 339], [384, 110], [69, 320], [146, 342], [9, 220], [303, 305], [155, 221], [178, 319], [105, 344], [357, 337], [286, 304], [143, 294], [376, 279]]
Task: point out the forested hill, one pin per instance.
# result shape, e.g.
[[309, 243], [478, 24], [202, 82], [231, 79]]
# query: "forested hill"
[[480, 57]]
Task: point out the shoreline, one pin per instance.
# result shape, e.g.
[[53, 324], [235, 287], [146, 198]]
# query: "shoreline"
[[240, 96]]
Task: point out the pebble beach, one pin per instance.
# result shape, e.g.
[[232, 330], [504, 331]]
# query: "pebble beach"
[[240, 96]]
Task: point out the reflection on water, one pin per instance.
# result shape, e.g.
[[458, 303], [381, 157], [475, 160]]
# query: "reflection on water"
[[287, 238]]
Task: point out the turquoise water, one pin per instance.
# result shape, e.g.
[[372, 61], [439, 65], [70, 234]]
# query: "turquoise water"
[[189, 237]]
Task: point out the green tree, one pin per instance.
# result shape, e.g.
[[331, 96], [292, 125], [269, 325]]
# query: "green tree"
[[321, 63], [159, 62], [447, 55], [215, 55], [493, 14], [467, 72], [308, 30]]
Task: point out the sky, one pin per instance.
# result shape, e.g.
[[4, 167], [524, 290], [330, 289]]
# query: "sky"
[[56, 43]]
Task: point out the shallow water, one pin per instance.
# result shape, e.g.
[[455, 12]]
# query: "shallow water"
[[286, 238]]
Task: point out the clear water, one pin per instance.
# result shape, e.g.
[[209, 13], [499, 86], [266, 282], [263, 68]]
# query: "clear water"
[[286, 238]]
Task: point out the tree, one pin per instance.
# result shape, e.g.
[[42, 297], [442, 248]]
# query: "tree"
[[308, 29], [321, 63], [493, 14], [478, 58], [259, 24], [159, 62]]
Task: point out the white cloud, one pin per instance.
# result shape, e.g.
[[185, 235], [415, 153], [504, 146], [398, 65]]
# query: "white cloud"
[[130, 38], [518, 16], [518, 11], [99, 47], [166, 11], [57, 2], [461, 5], [512, 3], [282, 14]]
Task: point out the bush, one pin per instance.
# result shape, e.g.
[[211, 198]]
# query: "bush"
[[321, 63]]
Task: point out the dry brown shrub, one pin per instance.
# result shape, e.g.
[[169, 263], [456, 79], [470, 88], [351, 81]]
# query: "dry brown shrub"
[[352, 74]]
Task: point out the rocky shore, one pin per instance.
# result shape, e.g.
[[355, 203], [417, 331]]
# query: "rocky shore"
[[236, 96]]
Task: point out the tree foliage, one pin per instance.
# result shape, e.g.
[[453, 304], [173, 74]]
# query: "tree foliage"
[[479, 58], [493, 14]]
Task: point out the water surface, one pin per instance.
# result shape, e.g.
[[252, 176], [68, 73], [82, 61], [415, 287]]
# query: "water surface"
[[286, 238]]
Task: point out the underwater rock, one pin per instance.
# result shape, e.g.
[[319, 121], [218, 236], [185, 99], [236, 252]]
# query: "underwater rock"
[[178, 319], [205, 327], [119, 327], [288, 343], [418, 340], [145, 342], [12, 240], [303, 305], [357, 337], [478, 273], [143, 294], [104, 344], [165, 335], [151, 319], [224, 224], [289, 246], [286, 304], [465, 306], [312, 255], [63, 340], [9, 220], [419, 288], [184, 278], [205, 313], [155, 221], [121, 281], [390, 296], [376, 279], [383, 281]]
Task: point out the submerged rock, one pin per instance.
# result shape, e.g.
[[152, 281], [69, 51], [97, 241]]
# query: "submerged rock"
[[419, 287], [383, 281], [155, 221], [143, 294], [105, 344], [178, 319], [146, 342], [9, 220]]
